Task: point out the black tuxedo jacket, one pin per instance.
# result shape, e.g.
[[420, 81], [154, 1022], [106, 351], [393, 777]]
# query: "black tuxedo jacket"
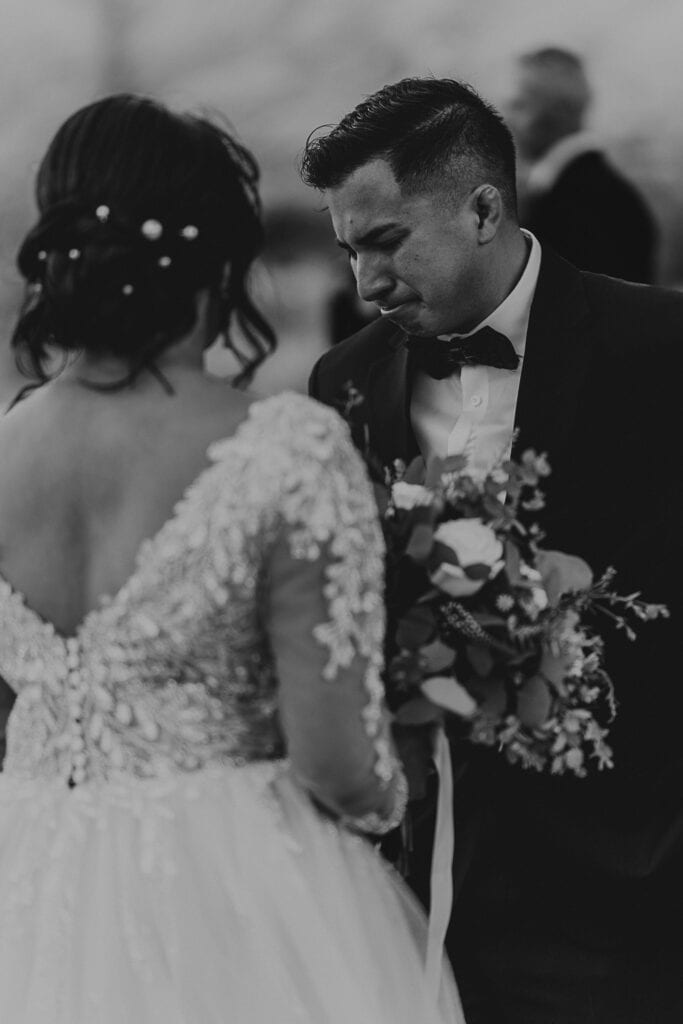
[[569, 892], [596, 219]]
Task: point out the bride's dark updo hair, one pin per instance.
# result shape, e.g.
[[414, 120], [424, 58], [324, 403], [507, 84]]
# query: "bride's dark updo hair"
[[140, 209]]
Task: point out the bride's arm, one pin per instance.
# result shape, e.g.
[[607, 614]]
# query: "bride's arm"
[[326, 622]]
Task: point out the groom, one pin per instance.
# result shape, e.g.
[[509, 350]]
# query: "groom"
[[568, 892]]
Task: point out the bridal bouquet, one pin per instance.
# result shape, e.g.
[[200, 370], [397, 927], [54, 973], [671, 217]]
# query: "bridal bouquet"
[[489, 635]]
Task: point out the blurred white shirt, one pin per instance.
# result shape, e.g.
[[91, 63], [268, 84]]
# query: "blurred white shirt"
[[472, 412]]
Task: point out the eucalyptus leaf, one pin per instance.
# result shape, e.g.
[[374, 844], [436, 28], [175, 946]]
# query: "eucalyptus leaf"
[[416, 471], [437, 656], [434, 472], [481, 659], [513, 561], [562, 574], [449, 694], [420, 543], [534, 702], [492, 697], [416, 628], [478, 571], [418, 711], [440, 554]]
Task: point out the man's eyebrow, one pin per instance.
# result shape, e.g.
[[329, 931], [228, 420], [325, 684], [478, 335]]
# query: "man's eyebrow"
[[374, 235]]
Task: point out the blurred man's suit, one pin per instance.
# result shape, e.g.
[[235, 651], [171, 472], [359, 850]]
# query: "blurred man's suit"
[[582, 207], [569, 892]]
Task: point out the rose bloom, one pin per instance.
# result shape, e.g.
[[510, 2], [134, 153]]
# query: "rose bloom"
[[409, 496], [473, 543]]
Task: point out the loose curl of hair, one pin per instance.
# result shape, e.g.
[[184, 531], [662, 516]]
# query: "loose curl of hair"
[[97, 281]]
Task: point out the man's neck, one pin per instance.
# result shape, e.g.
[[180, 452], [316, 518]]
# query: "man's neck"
[[511, 259]]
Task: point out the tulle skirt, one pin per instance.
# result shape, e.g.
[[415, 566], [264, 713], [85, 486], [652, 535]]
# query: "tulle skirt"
[[220, 897]]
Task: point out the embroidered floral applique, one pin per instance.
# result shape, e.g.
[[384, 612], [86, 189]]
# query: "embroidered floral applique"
[[174, 674]]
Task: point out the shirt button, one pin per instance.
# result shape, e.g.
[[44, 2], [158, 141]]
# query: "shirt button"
[[476, 401]]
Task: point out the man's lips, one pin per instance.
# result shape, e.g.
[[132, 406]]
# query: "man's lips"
[[390, 310]]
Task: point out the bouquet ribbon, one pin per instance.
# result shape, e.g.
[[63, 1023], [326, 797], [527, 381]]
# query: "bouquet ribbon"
[[441, 878]]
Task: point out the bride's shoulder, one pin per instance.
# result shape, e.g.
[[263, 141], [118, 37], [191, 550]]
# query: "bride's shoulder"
[[295, 421], [295, 406], [285, 438]]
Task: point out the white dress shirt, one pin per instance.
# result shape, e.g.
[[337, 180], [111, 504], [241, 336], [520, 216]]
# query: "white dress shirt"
[[472, 412]]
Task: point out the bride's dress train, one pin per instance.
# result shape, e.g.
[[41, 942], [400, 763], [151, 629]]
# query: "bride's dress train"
[[160, 859]]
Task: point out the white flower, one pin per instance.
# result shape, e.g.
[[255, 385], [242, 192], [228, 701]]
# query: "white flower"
[[538, 596], [409, 496], [541, 465], [472, 542], [574, 759]]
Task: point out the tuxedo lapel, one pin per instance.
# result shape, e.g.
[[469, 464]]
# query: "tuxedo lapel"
[[557, 356], [391, 433], [556, 359]]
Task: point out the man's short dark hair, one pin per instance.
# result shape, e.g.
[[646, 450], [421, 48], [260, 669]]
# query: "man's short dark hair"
[[427, 130]]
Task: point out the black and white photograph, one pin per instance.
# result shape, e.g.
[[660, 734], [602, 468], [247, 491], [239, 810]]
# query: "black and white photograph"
[[341, 363]]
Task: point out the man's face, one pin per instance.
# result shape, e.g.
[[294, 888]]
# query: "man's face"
[[416, 256]]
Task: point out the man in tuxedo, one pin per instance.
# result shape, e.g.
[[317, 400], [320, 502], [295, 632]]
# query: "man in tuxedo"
[[568, 892], [574, 198]]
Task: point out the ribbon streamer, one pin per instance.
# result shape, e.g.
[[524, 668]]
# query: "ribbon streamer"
[[441, 878]]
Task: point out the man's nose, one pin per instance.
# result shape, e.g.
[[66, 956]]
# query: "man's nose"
[[373, 280]]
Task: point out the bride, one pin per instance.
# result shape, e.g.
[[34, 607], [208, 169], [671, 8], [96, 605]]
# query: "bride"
[[191, 619]]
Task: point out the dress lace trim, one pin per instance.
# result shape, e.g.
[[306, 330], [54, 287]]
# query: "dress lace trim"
[[172, 673]]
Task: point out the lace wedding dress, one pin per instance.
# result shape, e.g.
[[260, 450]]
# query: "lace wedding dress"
[[160, 857]]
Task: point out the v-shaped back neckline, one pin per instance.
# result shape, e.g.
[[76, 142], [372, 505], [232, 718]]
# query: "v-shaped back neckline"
[[106, 601]]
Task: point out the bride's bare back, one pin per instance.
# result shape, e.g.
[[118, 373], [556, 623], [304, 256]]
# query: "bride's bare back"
[[87, 476]]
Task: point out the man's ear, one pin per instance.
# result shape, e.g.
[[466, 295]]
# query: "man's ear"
[[487, 204]]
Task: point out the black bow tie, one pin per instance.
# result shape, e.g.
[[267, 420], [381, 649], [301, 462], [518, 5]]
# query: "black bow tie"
[[442, 357]]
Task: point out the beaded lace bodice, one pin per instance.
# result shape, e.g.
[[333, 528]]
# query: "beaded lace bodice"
[[176, 672]]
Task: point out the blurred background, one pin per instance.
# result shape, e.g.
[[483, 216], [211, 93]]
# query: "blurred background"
[[279, 68]]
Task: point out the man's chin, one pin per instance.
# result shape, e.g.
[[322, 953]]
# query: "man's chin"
[[407, 317]]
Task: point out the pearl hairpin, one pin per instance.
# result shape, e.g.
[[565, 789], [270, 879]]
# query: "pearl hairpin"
[[152, 229]]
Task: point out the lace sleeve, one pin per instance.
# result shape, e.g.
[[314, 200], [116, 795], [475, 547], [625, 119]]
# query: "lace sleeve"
[[326, 626]]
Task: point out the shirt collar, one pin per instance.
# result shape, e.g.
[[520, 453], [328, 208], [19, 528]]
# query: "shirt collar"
[[545, 172], [511, 317]]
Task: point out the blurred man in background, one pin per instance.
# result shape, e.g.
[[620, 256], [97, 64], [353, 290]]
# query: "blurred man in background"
[[574, 199]]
